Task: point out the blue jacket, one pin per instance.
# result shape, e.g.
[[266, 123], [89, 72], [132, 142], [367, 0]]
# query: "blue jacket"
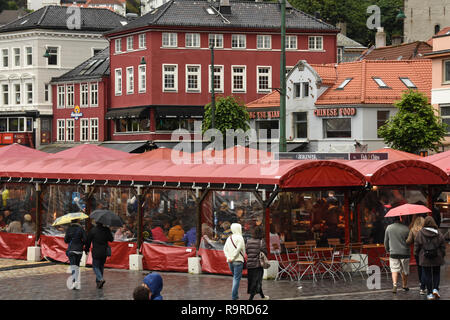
[[155, 283], [190, 237]]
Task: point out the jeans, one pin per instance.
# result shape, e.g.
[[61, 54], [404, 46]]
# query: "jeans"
[[74, 260], [431, 276], [236, 269], [98, 265], [420, 272]]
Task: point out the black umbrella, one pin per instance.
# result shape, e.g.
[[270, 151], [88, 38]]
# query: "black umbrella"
[[107, 218]]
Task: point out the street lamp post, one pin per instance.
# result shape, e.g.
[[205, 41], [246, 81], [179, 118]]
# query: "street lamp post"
[[213, 98], [283, 79]]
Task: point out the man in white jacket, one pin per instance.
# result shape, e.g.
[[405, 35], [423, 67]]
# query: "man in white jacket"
[[234, 250]]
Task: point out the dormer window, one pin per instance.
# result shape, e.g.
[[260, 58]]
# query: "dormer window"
[[408, 83], [344, 83], [380, 82]]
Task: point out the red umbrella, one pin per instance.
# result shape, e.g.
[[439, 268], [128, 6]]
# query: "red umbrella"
[[407, 209]]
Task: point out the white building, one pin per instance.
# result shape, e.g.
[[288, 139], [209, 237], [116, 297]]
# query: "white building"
[[149, 5], [35, 48]]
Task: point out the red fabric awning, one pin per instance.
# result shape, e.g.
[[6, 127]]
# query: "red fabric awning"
[[399, 172], [394, 154], [441, 160], [16, 150]]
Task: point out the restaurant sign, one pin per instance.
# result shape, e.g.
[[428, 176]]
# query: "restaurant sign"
[[76, 113], [335, 112], [264, 114], [331, 156]]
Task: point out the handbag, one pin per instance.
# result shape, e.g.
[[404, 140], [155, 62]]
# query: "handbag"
[[240, 252], [263, 261], [108, 251]]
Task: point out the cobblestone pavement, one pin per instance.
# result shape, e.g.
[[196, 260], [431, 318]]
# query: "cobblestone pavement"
[[21, 280]]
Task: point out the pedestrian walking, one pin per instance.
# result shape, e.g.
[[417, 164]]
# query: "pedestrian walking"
[[254, 246], [77, 239], [399, 252], [154, 283], [234, 250], [416, 226], [99, 236], [430, 248]]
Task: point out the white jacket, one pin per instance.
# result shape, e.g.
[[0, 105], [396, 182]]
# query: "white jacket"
[[233, 253]]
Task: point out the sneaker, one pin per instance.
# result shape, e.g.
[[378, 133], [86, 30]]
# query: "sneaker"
[[405, 289], [430, 296], [100, 284], [436, 294], [266, 298], [394, 289], [422, 292]]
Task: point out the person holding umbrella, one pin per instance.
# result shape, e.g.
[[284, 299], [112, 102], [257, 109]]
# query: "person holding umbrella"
[[76, 238], [99, 236]]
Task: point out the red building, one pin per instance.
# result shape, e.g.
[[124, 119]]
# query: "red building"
[[80, 100], [160, 62]]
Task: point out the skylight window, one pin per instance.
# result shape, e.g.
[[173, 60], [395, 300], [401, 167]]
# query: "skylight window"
[[380, 82], [408, 83], [210, 10], [343, 84]]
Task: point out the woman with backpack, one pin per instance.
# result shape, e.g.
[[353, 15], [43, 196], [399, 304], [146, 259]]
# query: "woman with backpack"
[[429, 246], [76, 238]]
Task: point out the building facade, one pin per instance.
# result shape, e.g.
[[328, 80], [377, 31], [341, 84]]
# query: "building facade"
[[34, 49], [161, 62]]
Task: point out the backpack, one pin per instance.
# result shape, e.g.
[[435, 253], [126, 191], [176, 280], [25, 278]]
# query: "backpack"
[[430, 249]]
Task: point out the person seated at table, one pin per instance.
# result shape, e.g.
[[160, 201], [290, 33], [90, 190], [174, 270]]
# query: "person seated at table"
[[2, 221], [122, 234], [226, 231], [158, 232], [190, 236], [275, 242], [14, 226], [176, 233], [28, 226]]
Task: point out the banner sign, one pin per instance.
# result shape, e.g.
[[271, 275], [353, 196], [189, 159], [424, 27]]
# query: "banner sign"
[[331, 156]]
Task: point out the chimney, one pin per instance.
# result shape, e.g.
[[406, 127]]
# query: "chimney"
[[380, 38], [343, 27], [225, 7], [396, 40]]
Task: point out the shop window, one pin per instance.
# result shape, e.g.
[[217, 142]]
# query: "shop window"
[[268, 128], [301, 124], [382, 117], [3, 124], [337, 128], [172, 124], [445, 115], [132, 125]]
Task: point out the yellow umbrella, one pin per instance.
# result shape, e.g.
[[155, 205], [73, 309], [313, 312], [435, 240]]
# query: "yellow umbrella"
[[68, 218]]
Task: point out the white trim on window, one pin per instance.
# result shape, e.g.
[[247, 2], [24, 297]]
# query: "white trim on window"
[[142, 78], [130, 43], [192, 40], [263, 42], [193, 78], [93, 94], [170, 77], [315, 43], [239, 79], [70, 96], [263, 79], [118, 81], [118, 45], [61, 99], [169, 40], [60, 130], [291, 42], [142, 41], [70, 129], [218, 74], [84, 95], [130, 80], [238, 41], [217, 39], [84, 129], [93, 131]]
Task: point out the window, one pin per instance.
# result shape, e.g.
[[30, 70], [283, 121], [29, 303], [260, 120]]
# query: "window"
[[192, 40], [218, 78], [94, 129], [142, 78], [70, 130], [132, 125], [382, 117], [29, 88], [291, 42], [408, 83], [16, 57], [264, 78], [301, 124], [216, 40], [46, 92], [84, 95], [263, 42], [129, 43], [301, 89], [142, 43], [52, 60], [61, 96], [267, 129], [130, 80], [337, 128], [344, 83], [170, 124], [193, 78], [60, 127], [446, 70], [315, 43], [238, 78], [238, 41], [118, 45], [340, 54], [170, 77], [70, 95], [118, 82], [445, 114], [5, 91], [5, 59], [380, 82], [17, 93], [169, 40], [29, 56], [84, 129], [94, 94]]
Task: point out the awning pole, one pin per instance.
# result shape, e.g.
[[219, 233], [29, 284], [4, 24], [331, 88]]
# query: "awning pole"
[[38, 213]]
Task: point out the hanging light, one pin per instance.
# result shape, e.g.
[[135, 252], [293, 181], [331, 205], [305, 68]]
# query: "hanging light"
[[143, 61], [401, 15], [46, 54]]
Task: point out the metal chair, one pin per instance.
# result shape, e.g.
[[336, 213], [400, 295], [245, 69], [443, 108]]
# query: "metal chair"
[[287, 265], [306, 262], [356, 249], [333, 266], [348, 262]]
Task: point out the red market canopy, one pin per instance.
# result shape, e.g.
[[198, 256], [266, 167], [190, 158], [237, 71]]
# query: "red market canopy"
[[91, 152], [394, 154], [237, 154], [160, 153], [16, 150], [441, 160], [399, 172]]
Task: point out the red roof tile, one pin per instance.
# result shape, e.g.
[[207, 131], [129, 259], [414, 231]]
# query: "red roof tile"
[[404, 51]]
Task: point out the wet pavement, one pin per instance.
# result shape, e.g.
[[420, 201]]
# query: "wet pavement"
[[21, 280]]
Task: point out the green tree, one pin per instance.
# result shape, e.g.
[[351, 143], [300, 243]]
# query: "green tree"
[[415, 127], [229, 114]]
